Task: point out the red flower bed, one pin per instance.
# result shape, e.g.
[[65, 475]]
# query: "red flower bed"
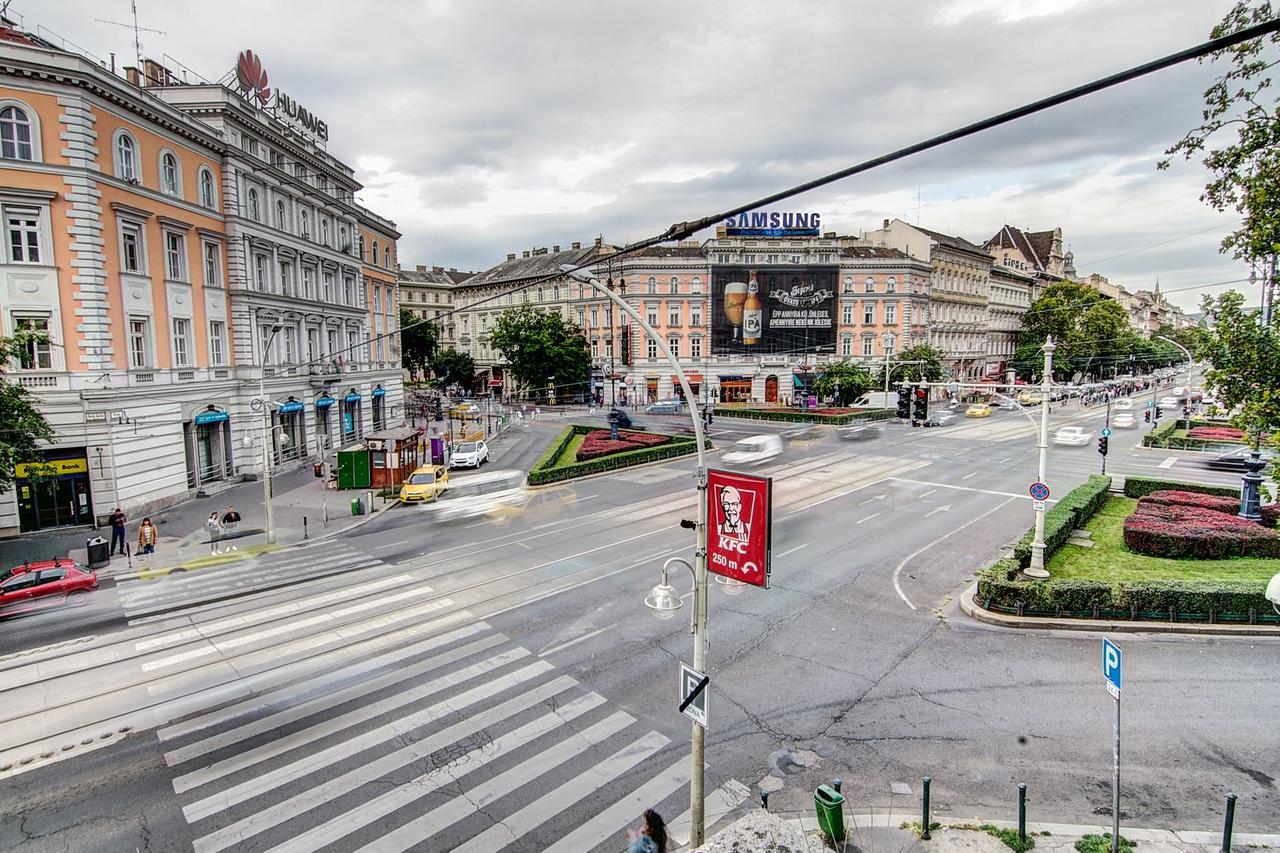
[[1217, 503], [1214, 433], [1181, 530], [597, 443]]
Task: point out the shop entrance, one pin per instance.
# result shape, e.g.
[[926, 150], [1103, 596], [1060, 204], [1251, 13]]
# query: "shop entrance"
[[54, 493], [208, 446], [735, 390], [771, 389], [651, 389]]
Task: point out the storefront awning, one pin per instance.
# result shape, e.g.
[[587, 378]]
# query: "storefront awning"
[[290, 407], [212, 418], [693, 377], [353, 397], [324, 402], [495, 383]]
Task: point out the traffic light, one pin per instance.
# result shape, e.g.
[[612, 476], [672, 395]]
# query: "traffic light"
[[1102, 445], [904, 401], [920, 404], [1159, 413], [1147, 416], [439, 410]]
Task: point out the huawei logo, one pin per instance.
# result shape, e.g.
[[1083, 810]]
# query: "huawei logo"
[[252, 77]]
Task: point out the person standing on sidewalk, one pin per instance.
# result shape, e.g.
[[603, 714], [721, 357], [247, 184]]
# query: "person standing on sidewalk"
[[230, 523], [147, 536], [118, 521], [215, 532]]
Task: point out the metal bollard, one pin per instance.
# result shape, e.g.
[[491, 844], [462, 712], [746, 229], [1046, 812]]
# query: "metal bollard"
[[764, 800], [304, 527], [1226, 825], [924, 817], [1022, 812], [836, 784]]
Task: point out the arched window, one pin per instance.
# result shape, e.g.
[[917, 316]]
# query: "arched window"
[[169, 173], [280, 220], [696, 285], [848, 284], [374, 258], [343, 245], [675, 284], [304, 224], [253, 205], [653, 284], [324, 231], [206, 189], [15, 134], [891, 286], [871, 284], [126, 157], [361, 246]]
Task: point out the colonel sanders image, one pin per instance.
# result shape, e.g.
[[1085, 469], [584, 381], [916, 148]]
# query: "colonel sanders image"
[[732, 525]]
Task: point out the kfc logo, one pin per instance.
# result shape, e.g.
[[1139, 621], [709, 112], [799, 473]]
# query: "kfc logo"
[[738, 545]]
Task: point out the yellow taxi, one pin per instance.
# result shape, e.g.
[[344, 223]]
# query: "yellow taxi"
[[1029, 398], [426, 483], [978, 410], [535, 506]]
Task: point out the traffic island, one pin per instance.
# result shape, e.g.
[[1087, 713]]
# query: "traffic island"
[[581, 451]]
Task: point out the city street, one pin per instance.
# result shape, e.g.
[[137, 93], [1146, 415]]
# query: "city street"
[[496, 682]]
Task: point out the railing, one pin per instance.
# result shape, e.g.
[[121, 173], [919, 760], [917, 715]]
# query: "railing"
[[38, 381], [186, 375]]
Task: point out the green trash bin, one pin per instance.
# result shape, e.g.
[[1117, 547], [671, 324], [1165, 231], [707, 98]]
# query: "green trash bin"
[[357, 508], [829, 804]]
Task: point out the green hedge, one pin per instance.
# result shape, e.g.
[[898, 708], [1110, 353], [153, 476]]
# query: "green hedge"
[[1077, 507], [1159, 436], [546, 471], [1162, 436], [1140, 487], [802, 417]]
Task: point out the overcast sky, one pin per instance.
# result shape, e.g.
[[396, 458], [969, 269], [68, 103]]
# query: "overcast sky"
[[484, 128]]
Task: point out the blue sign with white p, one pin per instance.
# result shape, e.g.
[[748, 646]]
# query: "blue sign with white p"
[[1112, 667]]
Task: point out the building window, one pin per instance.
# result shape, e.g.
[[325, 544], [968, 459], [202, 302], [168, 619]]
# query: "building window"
[[373, 258], [328, 286], [15, 135], [673, 315], [695, 315], [653, 284], [324, 231], [673, 344], [891, 286], [848, 284], [212, 265], [126, 157], [280, 217], [891, 314], [308, 283], [175, 253], [181, 342], [377, 300], [386, 257], [847, 315], [695, 347], [169, 173], [652, 348], [217, 343], [595, 347], [304, 224], [286, 278], [675, 284], [290, 343], [139, 342], [695, 286], [890, 344], [846, 345], [207, 197], [868, 344], [260, 271], [870, 286], [132, 256], [868, 313], [361, 241], [24, 235], [348, 290], [37, 351], [344, 245]]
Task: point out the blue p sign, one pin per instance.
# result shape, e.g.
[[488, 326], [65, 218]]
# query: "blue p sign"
[[1112, 667]]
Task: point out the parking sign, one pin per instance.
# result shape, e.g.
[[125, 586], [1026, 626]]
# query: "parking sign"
[[1112, 667]]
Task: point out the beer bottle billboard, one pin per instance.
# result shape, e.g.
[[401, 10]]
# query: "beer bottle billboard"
[[773, 310], [752, 314]]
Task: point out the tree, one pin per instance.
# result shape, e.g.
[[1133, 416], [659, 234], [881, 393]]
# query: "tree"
[[846, 381], [902, 370], [1091, 331], [1246, 165], [1245, 359], [23, 427], [454, 368], [418, 342], [541, 349]]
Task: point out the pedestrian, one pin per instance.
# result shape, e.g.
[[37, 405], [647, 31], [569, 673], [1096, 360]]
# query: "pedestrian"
[[118, 521], [147, 536], [230, 524], [652, 835], [215, 532]]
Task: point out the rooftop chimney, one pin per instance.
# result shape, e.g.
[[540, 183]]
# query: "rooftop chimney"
[[526, 253], [437, 269], [599, 241], [575, 245], [453, 269], [886, 225], [555, 249], [511, 256], [422, 268]]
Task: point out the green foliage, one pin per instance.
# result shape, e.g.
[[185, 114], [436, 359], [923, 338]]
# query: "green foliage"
[[805, 417], [1245, 363], [1077, 507], [916, 828], [901, 370], [1092, 333], [1102, 844], [1245, 165], [418, 342], [546, 471], [846, 381], [454, 368], [24, 427], [1140, 487], [542, 349], [1008, 836]]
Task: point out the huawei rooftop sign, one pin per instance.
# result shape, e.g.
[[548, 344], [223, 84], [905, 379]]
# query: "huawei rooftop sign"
[[252, 78]]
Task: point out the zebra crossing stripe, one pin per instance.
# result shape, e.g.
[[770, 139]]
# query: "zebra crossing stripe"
[[722, 800], [626, 811], [238, 573], [473, 800], [351, 780], [328, 700], [328, 618], [333, 725], [529, 818]]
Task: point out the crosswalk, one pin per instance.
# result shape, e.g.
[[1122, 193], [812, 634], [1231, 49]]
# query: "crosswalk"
[[460, 740]]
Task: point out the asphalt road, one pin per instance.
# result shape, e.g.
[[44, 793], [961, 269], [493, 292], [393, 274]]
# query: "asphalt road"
[[495, 682]]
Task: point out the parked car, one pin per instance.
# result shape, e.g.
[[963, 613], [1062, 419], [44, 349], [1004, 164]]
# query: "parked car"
[[1124, 420], [942, 418], [664, 407], [1233, 460], [1072, 436], [754, 450], [469, 454], [426, 483], [39, 586], [978, 410], [859, 431]]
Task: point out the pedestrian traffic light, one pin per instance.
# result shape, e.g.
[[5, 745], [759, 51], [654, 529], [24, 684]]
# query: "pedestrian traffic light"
[[1159, 413], [1147, 416], [920, 404], [904, 401], [1102, 445]]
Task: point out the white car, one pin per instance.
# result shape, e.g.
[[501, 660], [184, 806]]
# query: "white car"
[[754, 450], [1124, 421], [1170, 403], [1122, 405], [469, 454], [1072, 436]]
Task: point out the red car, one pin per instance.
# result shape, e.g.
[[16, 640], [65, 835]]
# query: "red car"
[[39, 586]]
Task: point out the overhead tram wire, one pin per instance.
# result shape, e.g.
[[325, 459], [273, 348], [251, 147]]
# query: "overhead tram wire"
[[685, 229]]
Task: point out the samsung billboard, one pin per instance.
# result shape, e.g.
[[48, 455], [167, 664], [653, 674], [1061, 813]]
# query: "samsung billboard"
[[773, 310], [773, 224]]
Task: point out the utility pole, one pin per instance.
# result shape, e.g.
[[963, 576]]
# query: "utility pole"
[[1036, 570]]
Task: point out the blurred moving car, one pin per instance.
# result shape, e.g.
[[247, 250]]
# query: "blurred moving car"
[[1122, 405], [622, 418], [33, 587], [1072, 436], [1029, 398], [978, 410], [426, 483], [1008, 405], [664, 407], [474, 495], [859, 431], [469, 454], [1124, 420], [1169, 403], [810, 432], [754, 450], [533, 505], [939, 419], [1233, 460]]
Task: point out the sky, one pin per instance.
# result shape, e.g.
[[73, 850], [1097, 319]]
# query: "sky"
[[484, 127]]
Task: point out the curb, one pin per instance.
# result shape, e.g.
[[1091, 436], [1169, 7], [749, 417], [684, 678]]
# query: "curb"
[[970, 607]]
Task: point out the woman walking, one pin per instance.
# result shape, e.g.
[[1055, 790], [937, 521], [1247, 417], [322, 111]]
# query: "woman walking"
[[147, 536], [652, 837]]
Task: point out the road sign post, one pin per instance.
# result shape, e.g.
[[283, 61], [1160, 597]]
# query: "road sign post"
[[1113, 672], [693, 694]]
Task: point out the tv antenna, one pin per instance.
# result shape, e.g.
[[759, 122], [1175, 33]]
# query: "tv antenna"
[[137, 42]]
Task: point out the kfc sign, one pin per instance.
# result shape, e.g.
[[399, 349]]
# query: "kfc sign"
[[740, 516]]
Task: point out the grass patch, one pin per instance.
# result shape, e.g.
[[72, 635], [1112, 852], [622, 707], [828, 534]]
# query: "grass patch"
[[1102, 844], [570, 453], [1110, 560], [1008, 836]]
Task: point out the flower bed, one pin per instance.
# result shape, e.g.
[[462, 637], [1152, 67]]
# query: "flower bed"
[[1218, 503], [559, 462], [1162, 529], [1216, 433], [598, 443]]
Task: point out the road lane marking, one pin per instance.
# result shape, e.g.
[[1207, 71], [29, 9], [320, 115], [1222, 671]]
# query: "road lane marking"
[[562, 646], [970, 474], [1168, 463], [599, 828], [793, 550], [962, 488], [897, 573], [926, 494], [1004, 460], [869, 517]]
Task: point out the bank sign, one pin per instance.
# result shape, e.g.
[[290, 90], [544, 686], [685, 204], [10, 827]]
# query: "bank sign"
[[253, 81], [739, 522], [772, 310], [773, 224]]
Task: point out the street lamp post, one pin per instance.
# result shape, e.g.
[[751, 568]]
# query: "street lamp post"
[[267, 436], [1036, 570], [699, 616], [884, 344]]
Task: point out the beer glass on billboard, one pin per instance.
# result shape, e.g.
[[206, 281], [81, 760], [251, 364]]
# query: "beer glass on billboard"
[[735, 300]]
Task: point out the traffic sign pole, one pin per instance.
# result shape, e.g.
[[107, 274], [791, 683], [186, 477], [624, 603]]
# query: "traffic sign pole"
[[1113, 672]]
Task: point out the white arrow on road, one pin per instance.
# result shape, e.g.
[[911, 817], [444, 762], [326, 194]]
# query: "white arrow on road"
[[872, 500], [943, 508]]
